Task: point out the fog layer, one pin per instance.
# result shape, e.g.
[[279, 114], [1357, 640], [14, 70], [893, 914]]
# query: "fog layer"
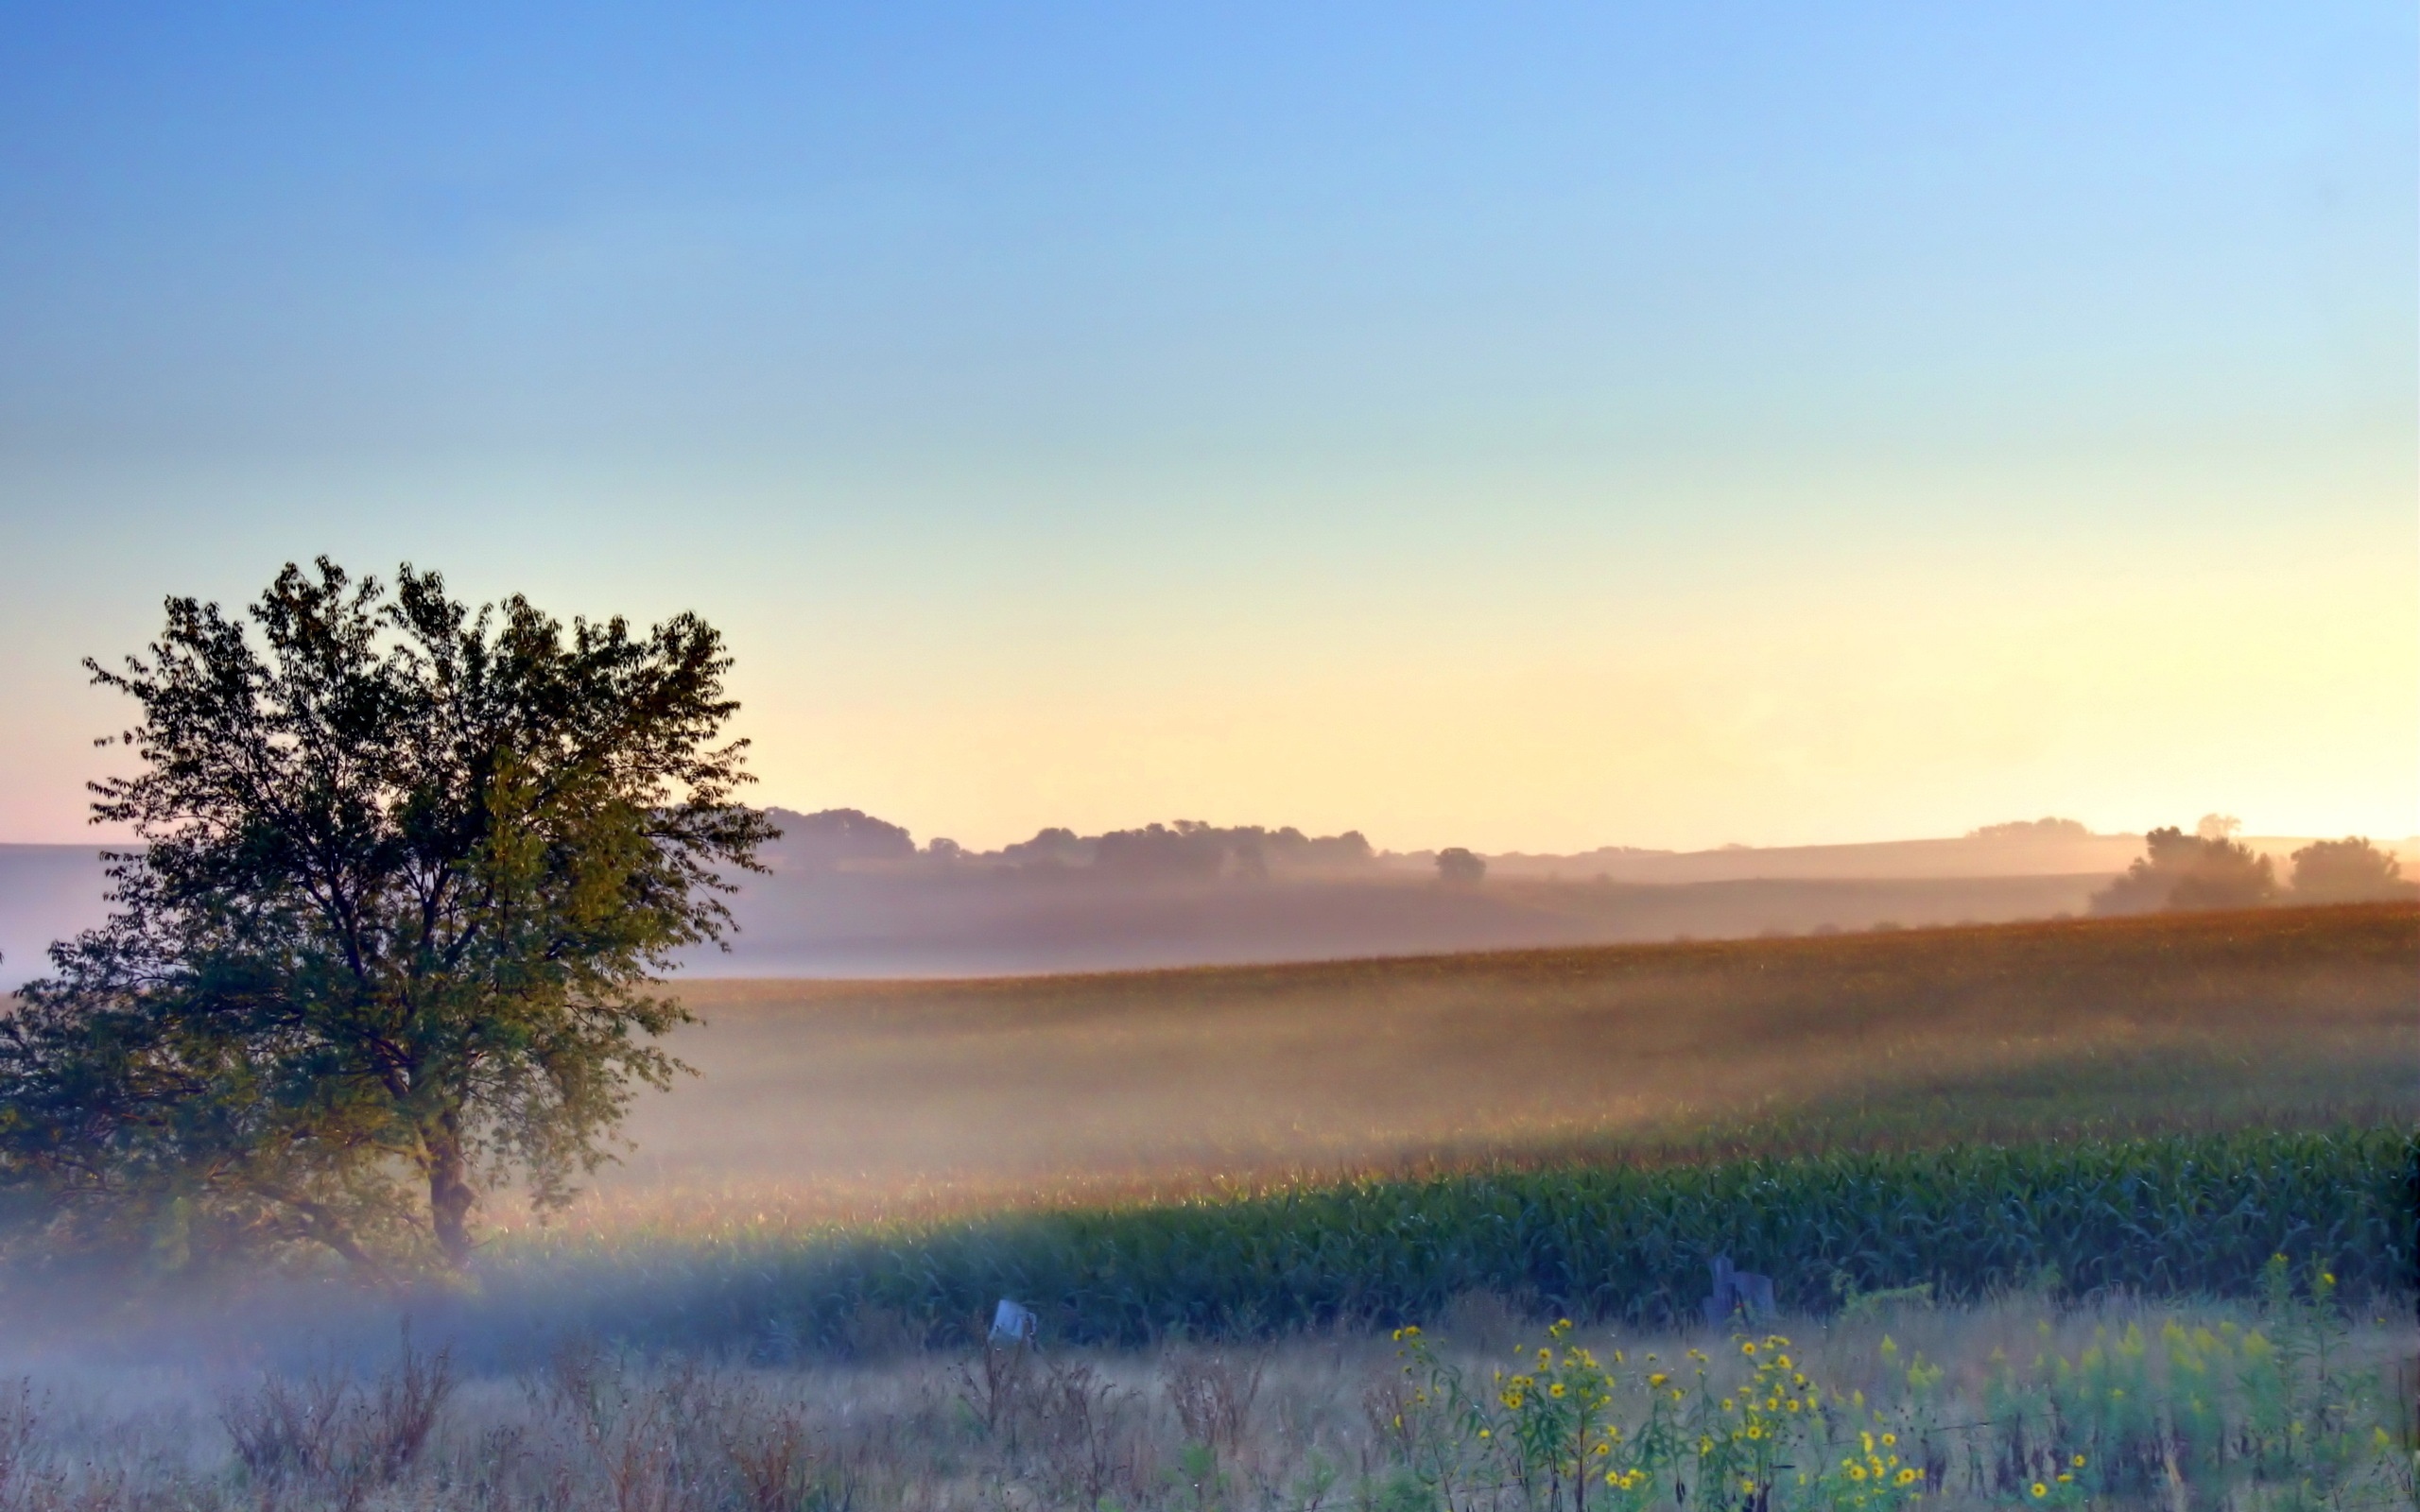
[[850, 895]]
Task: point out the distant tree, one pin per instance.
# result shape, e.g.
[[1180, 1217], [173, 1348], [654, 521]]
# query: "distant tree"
[[2346, 872], [1049, 848], [1351, 849], [409, 875], [2217, 826], [2185, 872], [1291, 847], [1459, 868], [1187, 851], [2047, 829], [1248, 855], [830, 836]]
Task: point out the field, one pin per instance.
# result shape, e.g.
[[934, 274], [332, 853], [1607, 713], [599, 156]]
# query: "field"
[[863, 1101], [1889, 1405], [2148, 1106], [2136, 1192]]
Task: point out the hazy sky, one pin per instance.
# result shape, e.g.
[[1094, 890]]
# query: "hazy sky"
[[1513, 426]]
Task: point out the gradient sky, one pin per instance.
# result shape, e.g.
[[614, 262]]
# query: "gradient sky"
[[1525, 427]]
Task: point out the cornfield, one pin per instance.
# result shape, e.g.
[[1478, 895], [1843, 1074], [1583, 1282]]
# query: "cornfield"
[[2180, 1216], [876, 1101]]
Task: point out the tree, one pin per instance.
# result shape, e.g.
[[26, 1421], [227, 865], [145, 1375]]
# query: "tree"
[[2186, 871], [411, 874], [1459, 868], [830, 837], [2346, 872], [2043, 828]]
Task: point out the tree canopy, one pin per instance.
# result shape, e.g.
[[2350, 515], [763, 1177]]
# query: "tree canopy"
[[410, 872], [2178, 870], [1458, 866], [2347, 870]]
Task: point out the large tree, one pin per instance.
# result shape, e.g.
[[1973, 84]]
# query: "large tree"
[[2347, 871], [2180, 871], [411, 874]]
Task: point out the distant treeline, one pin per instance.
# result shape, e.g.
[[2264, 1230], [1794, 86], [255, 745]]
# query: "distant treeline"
[[1186, 850], [2178, 1215], [2209, 870]]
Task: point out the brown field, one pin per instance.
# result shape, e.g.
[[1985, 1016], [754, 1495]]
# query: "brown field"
[[854, 1100]]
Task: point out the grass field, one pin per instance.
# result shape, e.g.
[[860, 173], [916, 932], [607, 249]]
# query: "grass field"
[[2275, 1401], [863, 1101]]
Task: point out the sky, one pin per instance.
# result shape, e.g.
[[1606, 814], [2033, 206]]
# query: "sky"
[[1523, 427]]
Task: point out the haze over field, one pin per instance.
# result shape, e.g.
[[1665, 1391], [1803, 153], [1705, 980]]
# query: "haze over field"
[[865, 1099], [850, 895]]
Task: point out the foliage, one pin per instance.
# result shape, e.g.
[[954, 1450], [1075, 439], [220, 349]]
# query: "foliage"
[[2046, 828], [1188, 849], [2191, 871], [829, 837], [1458, 866], [2350, 870], [408, 871], [2275, 1408], [2164, 1216], [2276, 1417]]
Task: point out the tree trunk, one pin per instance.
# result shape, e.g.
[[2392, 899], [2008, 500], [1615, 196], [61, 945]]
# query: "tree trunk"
[[451, 1196]]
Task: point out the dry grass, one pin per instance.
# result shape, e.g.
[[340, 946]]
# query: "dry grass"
[[1302, 1426], [859, 1101]]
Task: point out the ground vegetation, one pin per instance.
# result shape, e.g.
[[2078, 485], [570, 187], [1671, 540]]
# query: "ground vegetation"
[[2285, 1400]]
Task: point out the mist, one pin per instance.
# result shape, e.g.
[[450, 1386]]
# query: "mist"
[[870, 1100], [850, 895]]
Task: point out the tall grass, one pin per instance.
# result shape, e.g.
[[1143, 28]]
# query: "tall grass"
[[2178, 1215], [2282, 1405]]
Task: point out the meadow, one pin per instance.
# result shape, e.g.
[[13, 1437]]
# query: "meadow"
[[2283, 1400]]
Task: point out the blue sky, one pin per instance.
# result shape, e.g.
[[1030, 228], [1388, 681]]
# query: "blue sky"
[[1535, 428]]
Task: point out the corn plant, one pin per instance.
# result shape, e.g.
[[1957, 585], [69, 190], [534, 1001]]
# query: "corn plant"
[[2175, 1215]]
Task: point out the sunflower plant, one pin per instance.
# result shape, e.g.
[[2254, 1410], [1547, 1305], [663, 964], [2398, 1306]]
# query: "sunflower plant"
[[1551, 1425], [2065, 1486], [1870, 1477], [1747, 1432]]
